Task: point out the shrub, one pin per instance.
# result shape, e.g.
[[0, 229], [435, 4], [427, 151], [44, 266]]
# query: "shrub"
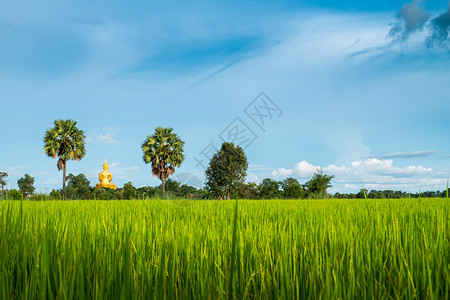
[[55, 195], [15, 195]]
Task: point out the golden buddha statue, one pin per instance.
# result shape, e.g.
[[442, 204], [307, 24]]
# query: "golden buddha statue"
[[105, 178]]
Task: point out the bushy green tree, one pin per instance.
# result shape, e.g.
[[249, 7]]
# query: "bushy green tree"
[[164, 151], [362, 194], [172, 187], [78, 187], [26, 185], [227, 168], [55, 195], [248, 190], [186, 191], [147, 192], [318, 185], [129, 191], [292, 189], [65, 141], [15, 195], [269, 189], [3, 183]]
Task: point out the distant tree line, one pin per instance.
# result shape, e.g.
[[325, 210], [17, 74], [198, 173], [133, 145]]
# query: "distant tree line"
[[79, 187], [390, 194], [163, 150]]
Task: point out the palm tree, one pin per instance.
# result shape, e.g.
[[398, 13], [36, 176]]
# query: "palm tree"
[[65, 141], [164, 150]]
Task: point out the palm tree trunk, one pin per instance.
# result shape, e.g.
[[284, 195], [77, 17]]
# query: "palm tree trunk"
[[163, 187], [64, 181], [228, 194]]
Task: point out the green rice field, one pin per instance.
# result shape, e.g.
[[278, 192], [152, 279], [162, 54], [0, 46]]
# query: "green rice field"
[[290, 249]]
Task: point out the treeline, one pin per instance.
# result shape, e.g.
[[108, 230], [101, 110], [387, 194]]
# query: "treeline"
[[79, 187], [391, 194]]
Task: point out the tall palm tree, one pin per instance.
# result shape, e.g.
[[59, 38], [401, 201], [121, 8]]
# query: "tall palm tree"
[[164, 150], [65, 141]]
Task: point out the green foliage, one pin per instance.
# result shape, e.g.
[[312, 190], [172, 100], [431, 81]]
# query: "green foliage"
[[129, 191], [78, 187], [26, 185], [317, 186], [146, 192], [248, 190], [283, 249], [66, 142], [55, 195], [292, 189], [270, 189], [363, 194], [3, 183], [15, 195], [227, 168], [39, 197], [164, 151], [173, 188]]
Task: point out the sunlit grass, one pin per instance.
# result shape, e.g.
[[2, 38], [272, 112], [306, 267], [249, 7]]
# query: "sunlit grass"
[[283, 249]]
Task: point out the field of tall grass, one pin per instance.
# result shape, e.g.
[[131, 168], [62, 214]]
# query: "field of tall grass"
[[291, 249]]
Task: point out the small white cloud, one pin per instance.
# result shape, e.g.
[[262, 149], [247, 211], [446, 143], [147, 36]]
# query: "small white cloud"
[[350, 186], [282, 172], [256, 167], [15, 171], [252, 177], [52, 181], [305, 169], [106, 139]]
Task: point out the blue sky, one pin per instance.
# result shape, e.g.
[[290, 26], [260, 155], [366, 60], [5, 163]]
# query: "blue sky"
[[362, 87]]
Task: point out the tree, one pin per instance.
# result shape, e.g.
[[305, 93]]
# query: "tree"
[[78, 187], [146, 191], [3, 182], [269, 189], [65, 141], [292, 189], [55, 195], [164, 150], [362, 194], [172, 187], [15, 195], [227, 168], [129, 191], [318, 185], [26, 185], [248, 190]]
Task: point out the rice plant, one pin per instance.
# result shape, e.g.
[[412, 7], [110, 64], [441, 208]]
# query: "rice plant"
[[290, 249]]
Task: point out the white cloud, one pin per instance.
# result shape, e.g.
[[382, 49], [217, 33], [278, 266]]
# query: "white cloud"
[[371, 173], [282, 172], [252, 177], [52, 181], [15, 171], [304, 169], [106, 139], [256, 167]]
